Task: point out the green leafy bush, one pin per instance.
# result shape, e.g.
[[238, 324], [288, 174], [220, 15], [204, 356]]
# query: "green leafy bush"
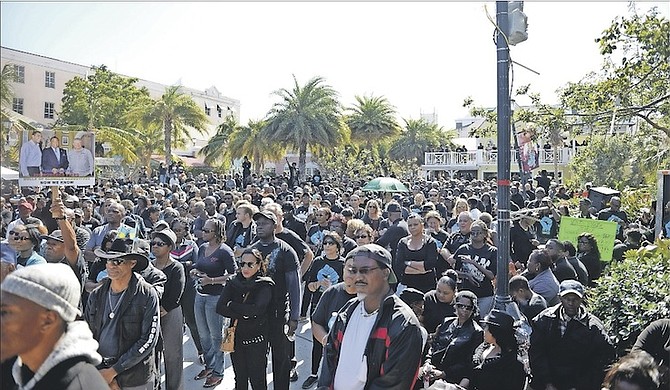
[[633, 293]]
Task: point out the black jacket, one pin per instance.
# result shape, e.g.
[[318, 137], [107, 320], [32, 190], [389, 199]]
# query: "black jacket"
[[138, 329], [251, 314]]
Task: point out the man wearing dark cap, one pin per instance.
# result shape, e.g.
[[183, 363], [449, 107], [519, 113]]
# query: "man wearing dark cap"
[[285, 307], [123, 314], [376, 340], [291, 223], [569, 347], [41, 341]]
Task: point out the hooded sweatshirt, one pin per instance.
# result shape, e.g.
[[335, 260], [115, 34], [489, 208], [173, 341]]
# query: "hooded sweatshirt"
[[71, 364]]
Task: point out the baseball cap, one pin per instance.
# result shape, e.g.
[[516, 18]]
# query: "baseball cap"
[[393, 208], [265, 214], [571, 287], [378, 254], [27, 205]]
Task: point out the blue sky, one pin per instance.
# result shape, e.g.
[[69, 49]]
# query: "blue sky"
[[421, 56]]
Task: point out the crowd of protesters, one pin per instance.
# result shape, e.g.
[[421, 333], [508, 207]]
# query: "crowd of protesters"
[[404, 282]]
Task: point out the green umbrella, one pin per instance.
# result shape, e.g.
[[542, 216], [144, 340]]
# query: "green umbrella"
[[385, 184]]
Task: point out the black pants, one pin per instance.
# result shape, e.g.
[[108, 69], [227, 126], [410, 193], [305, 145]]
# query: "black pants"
[[317, 352], [187, 303], [306, 302], [249, 364], [281, 354]]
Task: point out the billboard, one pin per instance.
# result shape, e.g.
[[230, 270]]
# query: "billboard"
[[56, 158]]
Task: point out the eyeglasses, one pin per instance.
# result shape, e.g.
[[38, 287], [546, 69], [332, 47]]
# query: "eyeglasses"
[[158, 243], [329, 243], [207, 231], [464, 307], [362, 271], [116, 262], [372, 207], [19, 238], [362, 237], [14, 233], [248, 264]]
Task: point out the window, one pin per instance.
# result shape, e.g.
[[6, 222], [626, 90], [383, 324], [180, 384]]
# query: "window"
[[17, 105], [48, 110], [19, 74], [208, 110], [50, 79]]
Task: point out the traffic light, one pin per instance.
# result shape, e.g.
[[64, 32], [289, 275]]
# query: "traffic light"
[[518, 23]]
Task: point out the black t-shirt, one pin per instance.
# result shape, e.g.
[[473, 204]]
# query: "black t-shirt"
[[282, 260], [546, 228], [295, 242], [333, 299], [434, 311], [486, 256]]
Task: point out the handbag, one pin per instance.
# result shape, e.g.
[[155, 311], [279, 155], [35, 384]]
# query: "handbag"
[[228, 342]]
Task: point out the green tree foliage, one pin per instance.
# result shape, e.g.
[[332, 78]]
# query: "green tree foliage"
[[633, 293], [608, 160], [215, 152], [634, 84], [306, 117], [252, 141], [372, 119], [417, 137], [100, 102], [102, 99], [176, 113]]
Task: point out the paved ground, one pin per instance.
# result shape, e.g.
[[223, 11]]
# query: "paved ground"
[[303, 353]]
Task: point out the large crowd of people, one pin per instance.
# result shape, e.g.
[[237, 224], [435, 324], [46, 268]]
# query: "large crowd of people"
[[399, 288]]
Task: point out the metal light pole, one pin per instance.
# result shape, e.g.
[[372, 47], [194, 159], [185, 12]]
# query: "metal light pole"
[[502, 299]]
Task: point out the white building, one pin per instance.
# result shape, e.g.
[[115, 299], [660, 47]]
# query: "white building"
[[40, 81]]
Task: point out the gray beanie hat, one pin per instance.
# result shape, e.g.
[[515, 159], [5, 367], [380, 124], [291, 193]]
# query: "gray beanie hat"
[[52, 286]]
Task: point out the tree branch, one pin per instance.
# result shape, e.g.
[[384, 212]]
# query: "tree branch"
[[654, 124]]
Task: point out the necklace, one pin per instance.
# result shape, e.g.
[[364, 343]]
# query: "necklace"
[[365, 313], [118, 303]]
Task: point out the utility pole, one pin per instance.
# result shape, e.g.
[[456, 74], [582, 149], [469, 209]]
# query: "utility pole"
[[502, 299]]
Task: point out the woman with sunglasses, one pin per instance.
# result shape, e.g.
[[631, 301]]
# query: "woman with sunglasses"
[[172, 319], [246, 298], [25, 241], [450, 355], [373, 216], [214, 266], [416, 257], [363, 235], [326, 270], [476, 264]]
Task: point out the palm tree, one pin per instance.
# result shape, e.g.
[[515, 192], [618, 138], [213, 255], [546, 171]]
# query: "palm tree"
[[306, 116], [176, 113], [251, 140], [217, 147], [418, 137], [372, 118]]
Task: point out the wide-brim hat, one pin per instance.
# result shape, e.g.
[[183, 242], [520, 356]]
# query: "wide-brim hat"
[[126, 250], [500, 319]]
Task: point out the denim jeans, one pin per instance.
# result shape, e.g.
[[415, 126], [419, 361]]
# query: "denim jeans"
[[210, 328]]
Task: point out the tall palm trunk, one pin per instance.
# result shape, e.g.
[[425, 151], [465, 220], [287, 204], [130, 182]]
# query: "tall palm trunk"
[[168, 141], [302, 158]]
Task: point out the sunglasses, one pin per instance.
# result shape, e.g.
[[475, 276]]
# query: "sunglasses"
[[464, 307], [248, 264], [372, 207], [329, 243], [362, 237], [362, 271], [583, 242], [207, 231], [116, 262], [158, 243], [19, 238], [476, 233]]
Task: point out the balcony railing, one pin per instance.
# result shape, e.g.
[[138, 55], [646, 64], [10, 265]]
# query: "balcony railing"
[[482, 158]]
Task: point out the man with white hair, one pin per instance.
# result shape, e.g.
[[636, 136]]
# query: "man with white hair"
[[41, 340]]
